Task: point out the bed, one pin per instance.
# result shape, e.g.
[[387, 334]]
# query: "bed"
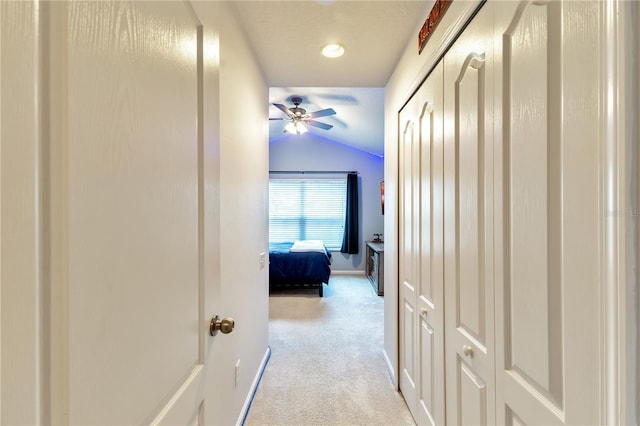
[[298, 264]]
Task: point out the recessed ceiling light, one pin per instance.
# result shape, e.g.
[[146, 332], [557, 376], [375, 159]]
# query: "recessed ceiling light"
[[333, 50]]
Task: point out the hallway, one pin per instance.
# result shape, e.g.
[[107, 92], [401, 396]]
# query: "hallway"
[[326, 364]]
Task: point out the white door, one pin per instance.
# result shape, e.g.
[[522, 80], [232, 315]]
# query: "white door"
[[523, 221], [423, 302], [468, 201], [132, 185], [119, 199], [408, 262], [547, 216], [430, 290]]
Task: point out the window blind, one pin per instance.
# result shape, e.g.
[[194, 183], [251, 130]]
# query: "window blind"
[[307, 209]]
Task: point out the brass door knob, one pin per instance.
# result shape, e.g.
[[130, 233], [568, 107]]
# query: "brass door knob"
[[224, 325]]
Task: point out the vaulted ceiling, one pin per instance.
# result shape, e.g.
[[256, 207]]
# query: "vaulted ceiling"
[[287, 37]]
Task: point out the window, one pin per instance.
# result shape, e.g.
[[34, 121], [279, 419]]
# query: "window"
[[307, 209]]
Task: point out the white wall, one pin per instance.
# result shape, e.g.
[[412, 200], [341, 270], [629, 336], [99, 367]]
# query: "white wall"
[[242, 225], [311, 152], [407, 76]]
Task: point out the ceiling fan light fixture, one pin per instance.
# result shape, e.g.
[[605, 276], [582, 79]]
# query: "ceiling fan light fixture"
[[299, 117], [333, 50], [295, 127]]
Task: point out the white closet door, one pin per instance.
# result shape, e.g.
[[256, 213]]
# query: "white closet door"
[[430, 297], [422, 351], [468, 172], [547, 246], [409, 201]]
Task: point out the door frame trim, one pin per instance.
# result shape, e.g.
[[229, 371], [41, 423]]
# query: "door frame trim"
[[617, 135]]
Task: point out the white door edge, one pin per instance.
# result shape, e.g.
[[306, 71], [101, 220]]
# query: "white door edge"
[[616, 41]]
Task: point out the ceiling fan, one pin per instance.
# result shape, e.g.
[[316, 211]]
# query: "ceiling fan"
[[299, 117]]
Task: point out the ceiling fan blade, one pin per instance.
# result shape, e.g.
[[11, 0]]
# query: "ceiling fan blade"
[[322, 113], [283, 109], [278, 118], [314, 123]]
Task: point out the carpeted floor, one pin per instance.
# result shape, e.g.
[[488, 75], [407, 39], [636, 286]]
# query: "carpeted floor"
[[326, 365]]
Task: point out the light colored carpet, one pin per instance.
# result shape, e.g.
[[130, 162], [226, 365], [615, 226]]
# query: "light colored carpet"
[[326, 365]]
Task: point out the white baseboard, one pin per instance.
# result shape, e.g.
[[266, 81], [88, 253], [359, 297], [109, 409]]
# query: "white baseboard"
[[254, 387], [351, 272], [390, 370]]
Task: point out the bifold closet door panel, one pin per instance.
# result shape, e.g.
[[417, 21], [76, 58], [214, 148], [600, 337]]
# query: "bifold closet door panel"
[[547, 276], [430, 290], [468, 201], [408, 262], [422, 298]]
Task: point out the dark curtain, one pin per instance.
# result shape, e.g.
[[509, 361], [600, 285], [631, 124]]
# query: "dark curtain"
[[350, 242]]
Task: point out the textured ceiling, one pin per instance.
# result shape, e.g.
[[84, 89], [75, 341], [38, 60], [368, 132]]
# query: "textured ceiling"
[[287, 37]]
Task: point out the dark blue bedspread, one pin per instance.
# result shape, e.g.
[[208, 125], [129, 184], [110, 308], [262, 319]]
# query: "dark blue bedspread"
[[297, 268]]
